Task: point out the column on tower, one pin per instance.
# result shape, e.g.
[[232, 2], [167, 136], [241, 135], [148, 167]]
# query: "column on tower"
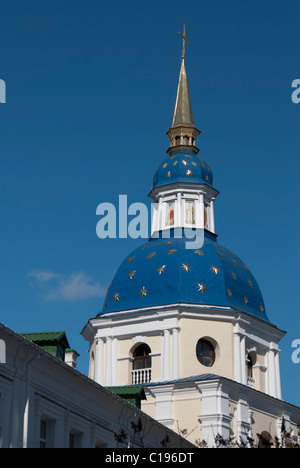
[[175, 353], [239, 355], [108, 363], [201, 210], [99, 361], [211, 216], [273, 376], [166, 354]]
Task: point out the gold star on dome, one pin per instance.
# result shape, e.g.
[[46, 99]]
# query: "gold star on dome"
[[172, 157], [151, 255], [168, 174], [202, 287], [261, 308], [131, 274], [145, 247], [229, 292], [202, 164], [172, 251], [246, 302], [186, 267], [189, 172], [174, 163], [199, 252], [187, 156], [161, 269], [143, 292], [207, 178], [194, 163], [116, 297], [164, 165], [233, 275], [250, 283], [184, 162], [246, 268], [168, 243], [221, 255], [233, 261], [129, 259], [215, 269]]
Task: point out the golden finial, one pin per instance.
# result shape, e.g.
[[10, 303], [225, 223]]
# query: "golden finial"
[[184, 40]]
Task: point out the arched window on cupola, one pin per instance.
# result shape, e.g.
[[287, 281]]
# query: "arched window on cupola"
[[141, 365]]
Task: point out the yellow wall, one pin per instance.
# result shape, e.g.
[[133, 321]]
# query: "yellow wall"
[[191, 332]]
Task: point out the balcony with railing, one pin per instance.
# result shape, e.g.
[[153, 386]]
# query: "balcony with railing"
[[141, 365], [140, 376]]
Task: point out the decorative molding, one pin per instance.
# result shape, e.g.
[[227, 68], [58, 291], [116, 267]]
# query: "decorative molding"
[[139, 339], [125, 358]]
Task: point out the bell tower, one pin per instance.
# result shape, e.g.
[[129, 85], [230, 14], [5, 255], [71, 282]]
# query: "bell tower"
[[183, 195], [188, 324]]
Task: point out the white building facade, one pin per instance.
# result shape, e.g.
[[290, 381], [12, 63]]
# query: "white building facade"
[[46, 403]]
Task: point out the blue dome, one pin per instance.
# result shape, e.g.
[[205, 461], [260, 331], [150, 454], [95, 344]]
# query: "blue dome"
[[183, 166], [163, 271]]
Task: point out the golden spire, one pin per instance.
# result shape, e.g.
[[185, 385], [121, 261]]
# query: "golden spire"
[[183, 131]]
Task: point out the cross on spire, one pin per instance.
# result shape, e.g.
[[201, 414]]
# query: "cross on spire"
[[184, 40]]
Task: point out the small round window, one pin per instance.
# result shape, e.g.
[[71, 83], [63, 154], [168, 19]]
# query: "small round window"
[[205, 353]]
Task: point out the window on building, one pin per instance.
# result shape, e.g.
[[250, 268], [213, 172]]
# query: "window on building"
[[249, 366], [190, 212], [43, 434], [170, 214], [265, 440], [141, 366], [47, 431], [60, 352], [205, 352], [141, 357], [75, 439]]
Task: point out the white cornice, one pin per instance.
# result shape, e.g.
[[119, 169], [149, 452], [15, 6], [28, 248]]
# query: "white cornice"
[[145, 321], [176, 187]]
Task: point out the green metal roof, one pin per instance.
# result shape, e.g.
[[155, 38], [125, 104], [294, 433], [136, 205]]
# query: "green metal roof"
[[129, 390], [55, 342], [131, 393], [53, 337]]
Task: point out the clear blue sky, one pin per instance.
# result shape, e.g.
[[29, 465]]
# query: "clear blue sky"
[[90, 94]]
